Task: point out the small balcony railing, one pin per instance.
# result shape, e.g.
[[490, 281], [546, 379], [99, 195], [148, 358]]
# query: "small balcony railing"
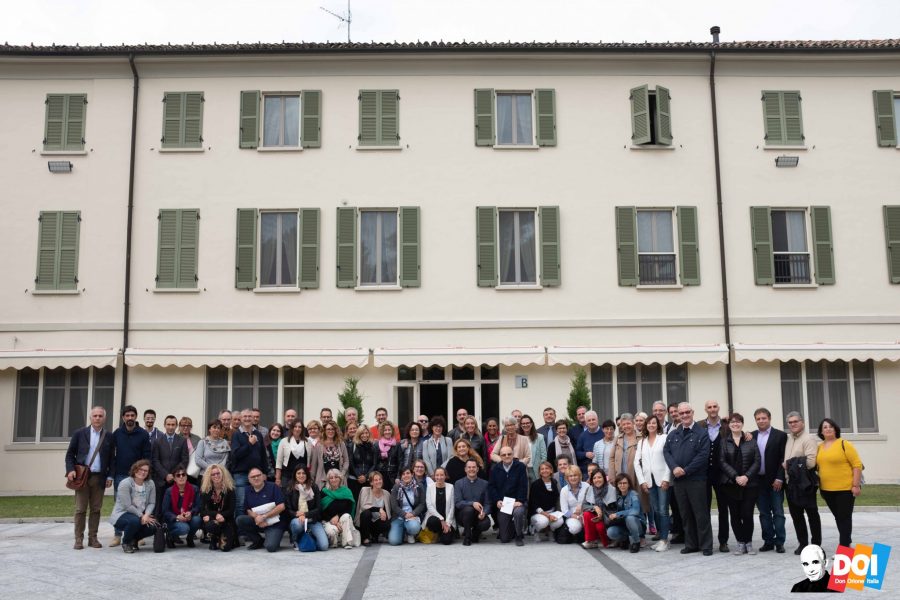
[[792, 267], [657, 269]]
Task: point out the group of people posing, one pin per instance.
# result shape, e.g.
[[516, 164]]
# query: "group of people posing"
[[614, 483]]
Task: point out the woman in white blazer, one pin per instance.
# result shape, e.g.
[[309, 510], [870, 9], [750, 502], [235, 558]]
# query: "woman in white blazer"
[[654, 476], [571, 500], [440, 506]]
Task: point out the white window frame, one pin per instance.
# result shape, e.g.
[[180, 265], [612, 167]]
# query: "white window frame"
[[532, 143], [378, 250], [675, 248], [519, 284], [299, 146], [278, 254], [851, 383], [449, 381], [617, 409], [807, 233], [279, 395]]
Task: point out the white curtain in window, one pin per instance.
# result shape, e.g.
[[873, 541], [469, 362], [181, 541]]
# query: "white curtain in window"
[[272, 121], [288, 249], [791, 389], [523, 119], [388, 247], [507, 247], [527, 262], [291, 121], [504, 119], [368, 226], [655, 231], [268, 238], [53, 411]]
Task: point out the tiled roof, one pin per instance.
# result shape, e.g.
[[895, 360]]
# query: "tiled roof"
[[812, 46]]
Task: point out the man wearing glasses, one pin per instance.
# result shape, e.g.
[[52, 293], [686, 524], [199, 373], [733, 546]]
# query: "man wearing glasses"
[[800, 443], [509, 480], [460, 428], [265, 503], [169, 451], [424, 423], [687, 454]]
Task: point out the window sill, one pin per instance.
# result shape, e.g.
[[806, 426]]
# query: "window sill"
[[276, 290], [864, 437], [652, 147], [280, 149], [378, 288], [396, 148], [783, 147], [55, 292], [64, 153], [176, 291], [513, 287], [177, 150], [36, 447], [666, 286], [516, 147], [795, 286]]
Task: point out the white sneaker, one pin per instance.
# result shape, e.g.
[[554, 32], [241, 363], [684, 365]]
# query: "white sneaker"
[[662, 546], [116, 541], [410, 539], [537, 537], [740, 549], [589, 545], [749, 548]]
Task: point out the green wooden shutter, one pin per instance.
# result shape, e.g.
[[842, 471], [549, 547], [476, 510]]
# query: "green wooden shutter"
[[774, 127], [309, 248], [346, 247], [626, 245], [486, 242], [58, 234], [389, 110], [892, 237], [550, 259], [188, 247], [311, 121], [545, 107], [249, 127], [663, 116], [70, 223], [75, 113], [689, 245], [368, 117], [761, 236], [793, 121], [822, 244], [48, 236], [54, 121], [885, 119], [193, 119], [410, 247], [167, 249], [173, 124], [640, 115], [245, 258], [484, 117]]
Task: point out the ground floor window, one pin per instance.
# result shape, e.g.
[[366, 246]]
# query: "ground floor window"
[[271, 389], [841, 390], [441, 391], [52, 403], [617, 389]]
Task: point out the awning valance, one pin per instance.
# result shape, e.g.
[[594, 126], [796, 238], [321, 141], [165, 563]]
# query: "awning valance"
[[630, 355], [171, 357], [785, 352], [410, 357], [67, 359]]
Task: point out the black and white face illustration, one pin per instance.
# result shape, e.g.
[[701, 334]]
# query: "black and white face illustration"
[[813, 560]]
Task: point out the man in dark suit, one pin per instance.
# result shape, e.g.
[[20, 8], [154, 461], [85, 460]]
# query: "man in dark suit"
[[94, 445], [548, 429], [717, 429], [770, 502], [169, 451], [509, 480]]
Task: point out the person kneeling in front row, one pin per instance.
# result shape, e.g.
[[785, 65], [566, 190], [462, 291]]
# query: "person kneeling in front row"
[[181, 508], [264, 504], [135, 503], [625, 523]]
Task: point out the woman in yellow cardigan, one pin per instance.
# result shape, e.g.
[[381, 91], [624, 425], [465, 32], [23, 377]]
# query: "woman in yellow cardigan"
[[840, 472]]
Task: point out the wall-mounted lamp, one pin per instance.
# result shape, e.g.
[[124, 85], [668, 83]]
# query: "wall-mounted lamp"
[[787, 161], [59, 166]]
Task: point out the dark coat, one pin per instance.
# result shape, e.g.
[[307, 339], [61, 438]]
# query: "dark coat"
[[513, 484], [130, 447], [210, 509], [292, 501], [688, 449], [774, 456], [166, 458], [79, 450], [362, 459], [388, 467], [735, 460], [246, 456], [168, 514], [539, 497]]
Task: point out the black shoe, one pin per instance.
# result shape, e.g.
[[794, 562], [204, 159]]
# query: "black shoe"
[[170, 543], [366, 543], [128, 548], [213, 544], [190, 542], [467, 542], [179, 541], [255, 545], [723, 547], [779, 548], [708, 552], [623, 545], [766, 547], [689, 550], [520, 541], [798, 550], [678, 539], [635, 547]]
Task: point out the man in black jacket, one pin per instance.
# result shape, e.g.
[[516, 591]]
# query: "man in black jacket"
[[94, 445], [717, 430], [509, 480], [169, 451], [770, 502]]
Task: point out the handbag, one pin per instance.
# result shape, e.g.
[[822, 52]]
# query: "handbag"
[[159, 537], [427, 536], [193, 469], [82, 472], [862, 478], [306, 543]]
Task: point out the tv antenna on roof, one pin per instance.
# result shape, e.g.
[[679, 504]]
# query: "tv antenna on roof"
[[348, 18]]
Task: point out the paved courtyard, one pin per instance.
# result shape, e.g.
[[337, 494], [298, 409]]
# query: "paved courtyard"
[[38, 562]]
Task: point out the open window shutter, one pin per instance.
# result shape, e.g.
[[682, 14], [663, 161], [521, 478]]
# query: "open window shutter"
[[626, 242], [793, 121], [772, 117], [368, 118], [245, 259], [173, 134], [309, 248], [545, 101], [311, 122], [663, 116], [167, 249], [640, 115], [346, 247], [53, 123], [68, 250], [410, 247], [885, 119], [550, 263], [821, 235], [892, 237], [761, 234], [188, 241], [486, 241], [48, 250], [249, 133], [689, 251], [75, 112], [484, 117], [389, 134], [193, 119]]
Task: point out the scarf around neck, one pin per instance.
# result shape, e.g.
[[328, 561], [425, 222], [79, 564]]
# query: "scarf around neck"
[[187, 499], [342, 493], [298, 449], [220, 446], [384, 446]]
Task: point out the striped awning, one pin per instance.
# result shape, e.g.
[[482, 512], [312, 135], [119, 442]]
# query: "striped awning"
[[67, 359], [785, 352], [631, 355], [459, 356], [180, 357]]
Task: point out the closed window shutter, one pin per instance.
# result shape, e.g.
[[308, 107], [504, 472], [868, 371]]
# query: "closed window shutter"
[[892, 237], [663, 116], [761, 236], [486, 242], [389, 110], [249, 129], [311, 123], [640, 115], [188, 242], [793, 121], [626, 245], [368, 118], [70, 224], [689, 246], [885, 119], [545, 106], [167, 249], [75, 113], [48, 251], [410, 247], [193, 119], [822, 244], [484, 117], [774, 126], [173, 124], [346, 247], [550, 259], [309, 248], [54, 122], [245, 258]]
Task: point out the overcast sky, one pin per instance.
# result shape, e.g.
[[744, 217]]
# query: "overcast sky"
[[91, 22]]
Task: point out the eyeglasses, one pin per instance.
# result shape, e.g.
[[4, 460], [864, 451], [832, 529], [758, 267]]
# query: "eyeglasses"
[[180, 475], [792, 422], [215, 474], [504, 455], [256, 476], [685, 412]]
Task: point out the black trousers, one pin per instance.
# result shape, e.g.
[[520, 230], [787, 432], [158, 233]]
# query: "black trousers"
[[370, 530], [472, 526], [435, 525], [227, 530], [841, 506], [676, 527], [740, 506], [722, 503], [692, 504], [815, 523]]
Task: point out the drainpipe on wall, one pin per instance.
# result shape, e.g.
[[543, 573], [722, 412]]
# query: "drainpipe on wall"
[[715, 30], [126, 316]]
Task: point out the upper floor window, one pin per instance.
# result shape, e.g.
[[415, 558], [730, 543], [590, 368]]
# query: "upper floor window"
[[515, 117], [57, 264], [783, 119], [288, 243], [64, 122], [378, 247], [290, 120], [278, 249], [841, 390], [282, 120], [646, 249], [518, 247], [651, 116], [781, 245], [656, 247], [182, 120], [379, 118], [790, 252], [176, 261]]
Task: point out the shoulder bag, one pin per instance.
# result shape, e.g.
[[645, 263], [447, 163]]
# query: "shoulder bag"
[[82, 472]]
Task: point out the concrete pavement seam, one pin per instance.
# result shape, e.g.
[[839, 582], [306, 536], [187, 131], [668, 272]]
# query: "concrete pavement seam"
[[359, 581], [623, 575]]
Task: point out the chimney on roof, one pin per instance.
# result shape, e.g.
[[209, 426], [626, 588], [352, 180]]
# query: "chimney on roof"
[[715, 30]]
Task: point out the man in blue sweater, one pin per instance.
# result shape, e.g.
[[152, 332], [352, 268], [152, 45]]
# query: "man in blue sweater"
[[130, 444], [584, 446], [248, 451], [687, 454], [509, 480]]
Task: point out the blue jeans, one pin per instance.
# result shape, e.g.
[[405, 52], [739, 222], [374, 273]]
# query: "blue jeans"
[[633, 530], [659, 500], [116, 481], [132, 528], [400, 527], [314, 528], [247, 527], [771, 515], [241, 481], [180, 528]]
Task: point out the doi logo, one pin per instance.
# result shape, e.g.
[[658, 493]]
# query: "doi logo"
[[859, 567]]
